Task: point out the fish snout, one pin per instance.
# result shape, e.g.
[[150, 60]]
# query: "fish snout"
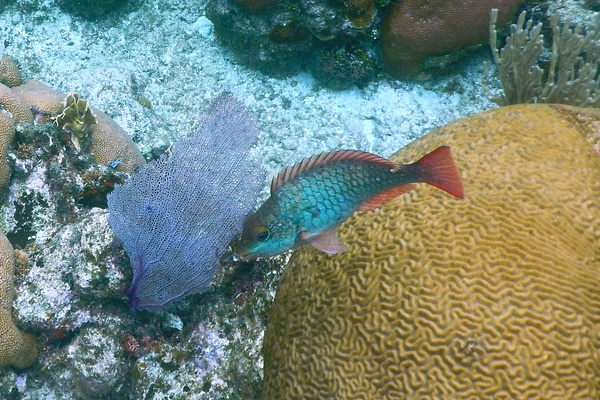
[[245, 255]]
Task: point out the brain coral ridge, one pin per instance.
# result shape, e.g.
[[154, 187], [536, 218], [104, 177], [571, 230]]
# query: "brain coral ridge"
[[495, 296]]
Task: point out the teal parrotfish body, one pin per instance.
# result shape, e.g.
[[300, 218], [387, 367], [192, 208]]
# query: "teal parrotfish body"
[[310, 199]]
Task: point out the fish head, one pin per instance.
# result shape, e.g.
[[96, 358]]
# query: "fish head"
[[266, 233]]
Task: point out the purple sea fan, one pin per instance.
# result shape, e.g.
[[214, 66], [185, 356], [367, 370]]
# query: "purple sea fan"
[[177, 215]]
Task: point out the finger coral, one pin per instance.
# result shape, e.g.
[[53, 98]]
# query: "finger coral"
[[177, 215], [16, 348], [496, 296], [415, 29]]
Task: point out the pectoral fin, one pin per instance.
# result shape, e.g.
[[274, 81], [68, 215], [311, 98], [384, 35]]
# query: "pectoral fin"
[[328, 241]]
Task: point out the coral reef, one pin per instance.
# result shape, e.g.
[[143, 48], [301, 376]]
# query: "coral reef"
[[572, 77], [495, 296], [71, 292], [108, 142], [282, 37], [16, 348], [71, 277], [415, 29]]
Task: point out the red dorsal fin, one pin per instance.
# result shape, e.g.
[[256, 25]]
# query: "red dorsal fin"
[[438, 169], [387, 195], [339, 155], [328, 241]]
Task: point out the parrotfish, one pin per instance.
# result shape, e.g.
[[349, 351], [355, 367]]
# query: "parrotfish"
[[310, 199]]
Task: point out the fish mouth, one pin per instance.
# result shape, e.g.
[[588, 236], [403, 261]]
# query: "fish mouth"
[[245, 256]]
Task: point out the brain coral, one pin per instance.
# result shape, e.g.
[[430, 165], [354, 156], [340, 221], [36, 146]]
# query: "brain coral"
[[9, 72], [496, 296], [37, 94], [110, 142], [7, 134], [16, 348], [415, 29], [15, 104]]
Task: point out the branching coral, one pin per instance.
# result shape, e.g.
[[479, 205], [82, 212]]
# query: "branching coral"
[[573, 76]]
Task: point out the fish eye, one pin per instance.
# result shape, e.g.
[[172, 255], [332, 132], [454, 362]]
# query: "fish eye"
[[261, 234]]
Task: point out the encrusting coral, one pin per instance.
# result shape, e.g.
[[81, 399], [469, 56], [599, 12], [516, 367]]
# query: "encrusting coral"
[[495, 296], [415, 29], [16, 348]]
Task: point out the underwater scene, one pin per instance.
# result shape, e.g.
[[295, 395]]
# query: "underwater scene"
[[283, 199]]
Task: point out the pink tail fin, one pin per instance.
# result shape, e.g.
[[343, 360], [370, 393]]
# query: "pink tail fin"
[[438, 169]]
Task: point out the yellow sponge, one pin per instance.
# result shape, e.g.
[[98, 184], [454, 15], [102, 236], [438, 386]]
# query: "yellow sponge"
[[496, 296]]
